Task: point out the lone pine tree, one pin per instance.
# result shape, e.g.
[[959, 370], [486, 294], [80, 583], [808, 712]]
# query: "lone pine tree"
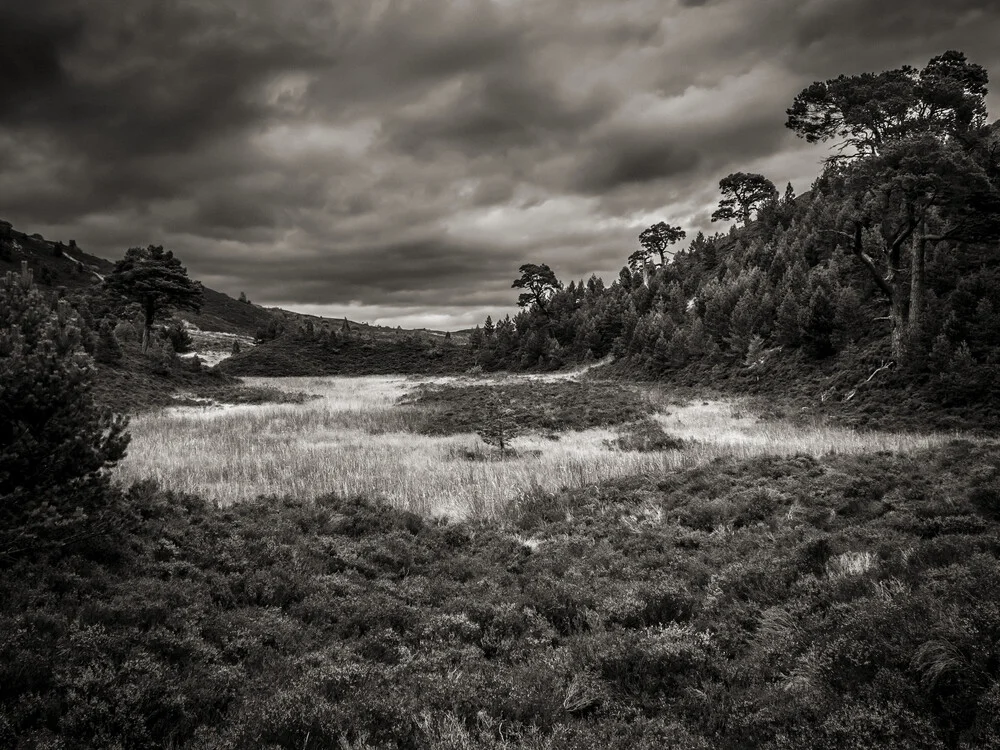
[[156, 280], [499, 422], [655, 241], [539, 282]]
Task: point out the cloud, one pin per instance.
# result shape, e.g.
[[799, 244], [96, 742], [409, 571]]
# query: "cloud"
[[495, 111], [402, 158], [631, 158]]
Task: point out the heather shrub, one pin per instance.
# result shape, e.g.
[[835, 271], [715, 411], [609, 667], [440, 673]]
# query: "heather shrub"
[[283, 623]]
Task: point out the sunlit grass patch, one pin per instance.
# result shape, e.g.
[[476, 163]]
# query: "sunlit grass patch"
[[851, 564], [357, 439], [734, 428]]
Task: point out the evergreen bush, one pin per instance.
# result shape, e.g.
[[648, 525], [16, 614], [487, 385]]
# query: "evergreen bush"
[[55, 441]]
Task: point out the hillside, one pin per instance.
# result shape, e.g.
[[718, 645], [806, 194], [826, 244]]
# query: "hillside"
[[290, 347], [290, 320], [876, 296], [54, 263], [58, 264], [220, 312], [358, 352]]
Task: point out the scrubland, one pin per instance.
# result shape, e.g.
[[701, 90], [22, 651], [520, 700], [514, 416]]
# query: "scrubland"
[[771, 602], [360, 571]]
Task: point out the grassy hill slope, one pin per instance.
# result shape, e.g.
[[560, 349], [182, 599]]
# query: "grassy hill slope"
[[54, 263], [220, 312], [331, 354]]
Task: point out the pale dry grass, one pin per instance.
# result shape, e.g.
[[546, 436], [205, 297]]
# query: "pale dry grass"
[[356, 440], [731, 427], [851, 564]]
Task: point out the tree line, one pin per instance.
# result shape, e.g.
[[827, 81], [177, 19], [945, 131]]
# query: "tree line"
[[891, 256]]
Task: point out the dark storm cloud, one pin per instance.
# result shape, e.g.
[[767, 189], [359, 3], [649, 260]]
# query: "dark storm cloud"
[[410, 272], [148, 77], [855, 35], [633, 158], [31, 40], [495, 111], [401, 158]]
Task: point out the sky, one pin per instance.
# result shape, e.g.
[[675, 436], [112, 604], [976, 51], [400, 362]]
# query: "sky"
[[395, 161]]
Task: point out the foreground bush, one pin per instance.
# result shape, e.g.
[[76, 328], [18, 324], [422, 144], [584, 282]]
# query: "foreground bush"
[[55, 441]]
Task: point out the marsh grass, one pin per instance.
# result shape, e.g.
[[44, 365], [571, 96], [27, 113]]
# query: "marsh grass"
[[357, 439], [731, 428]]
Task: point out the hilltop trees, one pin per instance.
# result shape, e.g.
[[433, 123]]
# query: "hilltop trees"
[[539, 283], [55, 442], [868, 111], [743, 194], [888, 268], [891, 257], [157, 281], [654, 241]]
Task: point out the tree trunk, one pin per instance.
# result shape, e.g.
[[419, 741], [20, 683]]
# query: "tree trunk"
[[918, 262], [898, 309], [891, 287], [897, 338], [149, 312]]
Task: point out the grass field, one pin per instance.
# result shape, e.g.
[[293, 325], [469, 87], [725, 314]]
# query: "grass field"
[[356, 439]]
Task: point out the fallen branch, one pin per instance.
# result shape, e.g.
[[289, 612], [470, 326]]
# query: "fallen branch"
[[885, 366]]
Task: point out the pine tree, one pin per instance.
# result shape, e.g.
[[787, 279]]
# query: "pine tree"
[[817, 323], [476, 339], [676, 352], [107, 351], [662, 357], [743, 324], [179, 338], [156, 280], [788, 328], [55, 441], [499, 423]]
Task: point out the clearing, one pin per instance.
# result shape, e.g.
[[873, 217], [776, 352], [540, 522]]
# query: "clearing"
[[410, 441]]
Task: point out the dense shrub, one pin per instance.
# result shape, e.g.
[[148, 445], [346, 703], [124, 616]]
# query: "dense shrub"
[[107, 350], [645, 436], [555, 407], [180, 340], [55, 441]]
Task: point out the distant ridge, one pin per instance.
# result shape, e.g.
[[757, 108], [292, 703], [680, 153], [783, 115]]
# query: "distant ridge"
[[63, 264]]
